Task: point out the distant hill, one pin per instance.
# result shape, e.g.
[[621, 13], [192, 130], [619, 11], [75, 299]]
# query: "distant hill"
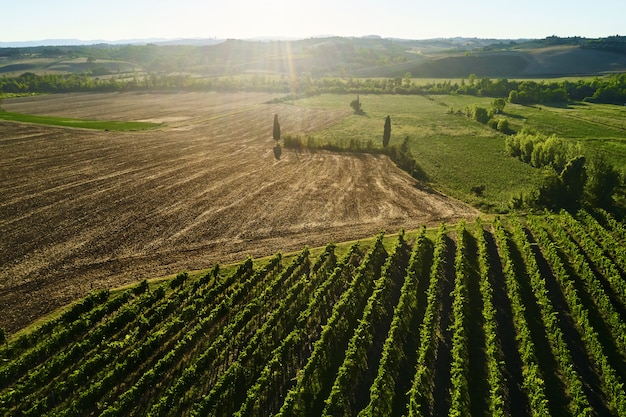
[[542, 62], [370, 56], [78, 42]]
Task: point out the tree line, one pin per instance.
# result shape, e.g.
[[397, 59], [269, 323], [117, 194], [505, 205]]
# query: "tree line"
[[610, 89]]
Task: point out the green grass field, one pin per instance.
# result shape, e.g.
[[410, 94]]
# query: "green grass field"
[[85, 124], [458, 153]]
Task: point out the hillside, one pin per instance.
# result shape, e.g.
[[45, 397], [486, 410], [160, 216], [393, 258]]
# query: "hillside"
[[548, 62], [469, 319], [333, 56]]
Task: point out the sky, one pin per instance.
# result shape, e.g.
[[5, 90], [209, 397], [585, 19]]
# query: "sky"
[[115, 20]]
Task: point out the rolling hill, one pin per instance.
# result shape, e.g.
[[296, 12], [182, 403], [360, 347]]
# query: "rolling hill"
[[334, 56]]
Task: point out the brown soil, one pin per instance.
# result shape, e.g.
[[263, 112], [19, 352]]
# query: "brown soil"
[[84, 209]]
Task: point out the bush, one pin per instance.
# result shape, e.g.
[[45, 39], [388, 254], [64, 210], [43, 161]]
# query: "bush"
[[493, 123], [480, 114], [503, 126], [293, 142]]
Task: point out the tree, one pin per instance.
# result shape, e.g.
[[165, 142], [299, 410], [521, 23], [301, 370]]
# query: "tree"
[[387, 132], [498, 105], [276, 131], [407, 80], [602, 180], [574, 177], [356, 105]]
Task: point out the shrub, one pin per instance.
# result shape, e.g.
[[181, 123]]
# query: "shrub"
[[503, 126], [480, 114], [294, 142]]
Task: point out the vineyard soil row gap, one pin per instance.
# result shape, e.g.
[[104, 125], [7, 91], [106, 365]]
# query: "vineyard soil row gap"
[[517, 398], [478, 386]]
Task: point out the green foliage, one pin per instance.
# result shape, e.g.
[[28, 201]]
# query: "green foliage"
[[602, 181], [530, 92], [495, 376], [541, 151], [503, 126], [295, 142], [571, 179], [574, 177], [579, 405], [498, 105], [277, 338], [85, 124], [561, 191], [142, 287], [403, 158], [533, 380], [459, 392], [179, 280], [480, 114]]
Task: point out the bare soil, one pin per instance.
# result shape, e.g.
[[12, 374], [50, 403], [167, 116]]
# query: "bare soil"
[[83, 210]]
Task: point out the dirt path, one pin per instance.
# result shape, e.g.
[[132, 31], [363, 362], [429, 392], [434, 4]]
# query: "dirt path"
[[82, 209]]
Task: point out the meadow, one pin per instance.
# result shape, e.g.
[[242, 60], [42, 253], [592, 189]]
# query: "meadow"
[[79, 123], [458, 153]]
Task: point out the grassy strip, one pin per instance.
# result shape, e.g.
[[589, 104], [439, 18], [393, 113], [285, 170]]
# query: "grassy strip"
[[80, 123]]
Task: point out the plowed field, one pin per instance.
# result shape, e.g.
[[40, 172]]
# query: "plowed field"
[[82, 209]]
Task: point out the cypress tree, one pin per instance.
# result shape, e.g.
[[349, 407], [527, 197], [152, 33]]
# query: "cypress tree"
[[387, 132], [276, 131]]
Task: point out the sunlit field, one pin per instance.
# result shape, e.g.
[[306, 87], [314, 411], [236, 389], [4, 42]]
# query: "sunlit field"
[[458, 153]]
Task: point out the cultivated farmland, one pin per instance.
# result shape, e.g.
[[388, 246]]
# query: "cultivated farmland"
[[84, 210], [467, 319]]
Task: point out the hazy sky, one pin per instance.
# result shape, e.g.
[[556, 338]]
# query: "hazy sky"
[[414, 19]]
